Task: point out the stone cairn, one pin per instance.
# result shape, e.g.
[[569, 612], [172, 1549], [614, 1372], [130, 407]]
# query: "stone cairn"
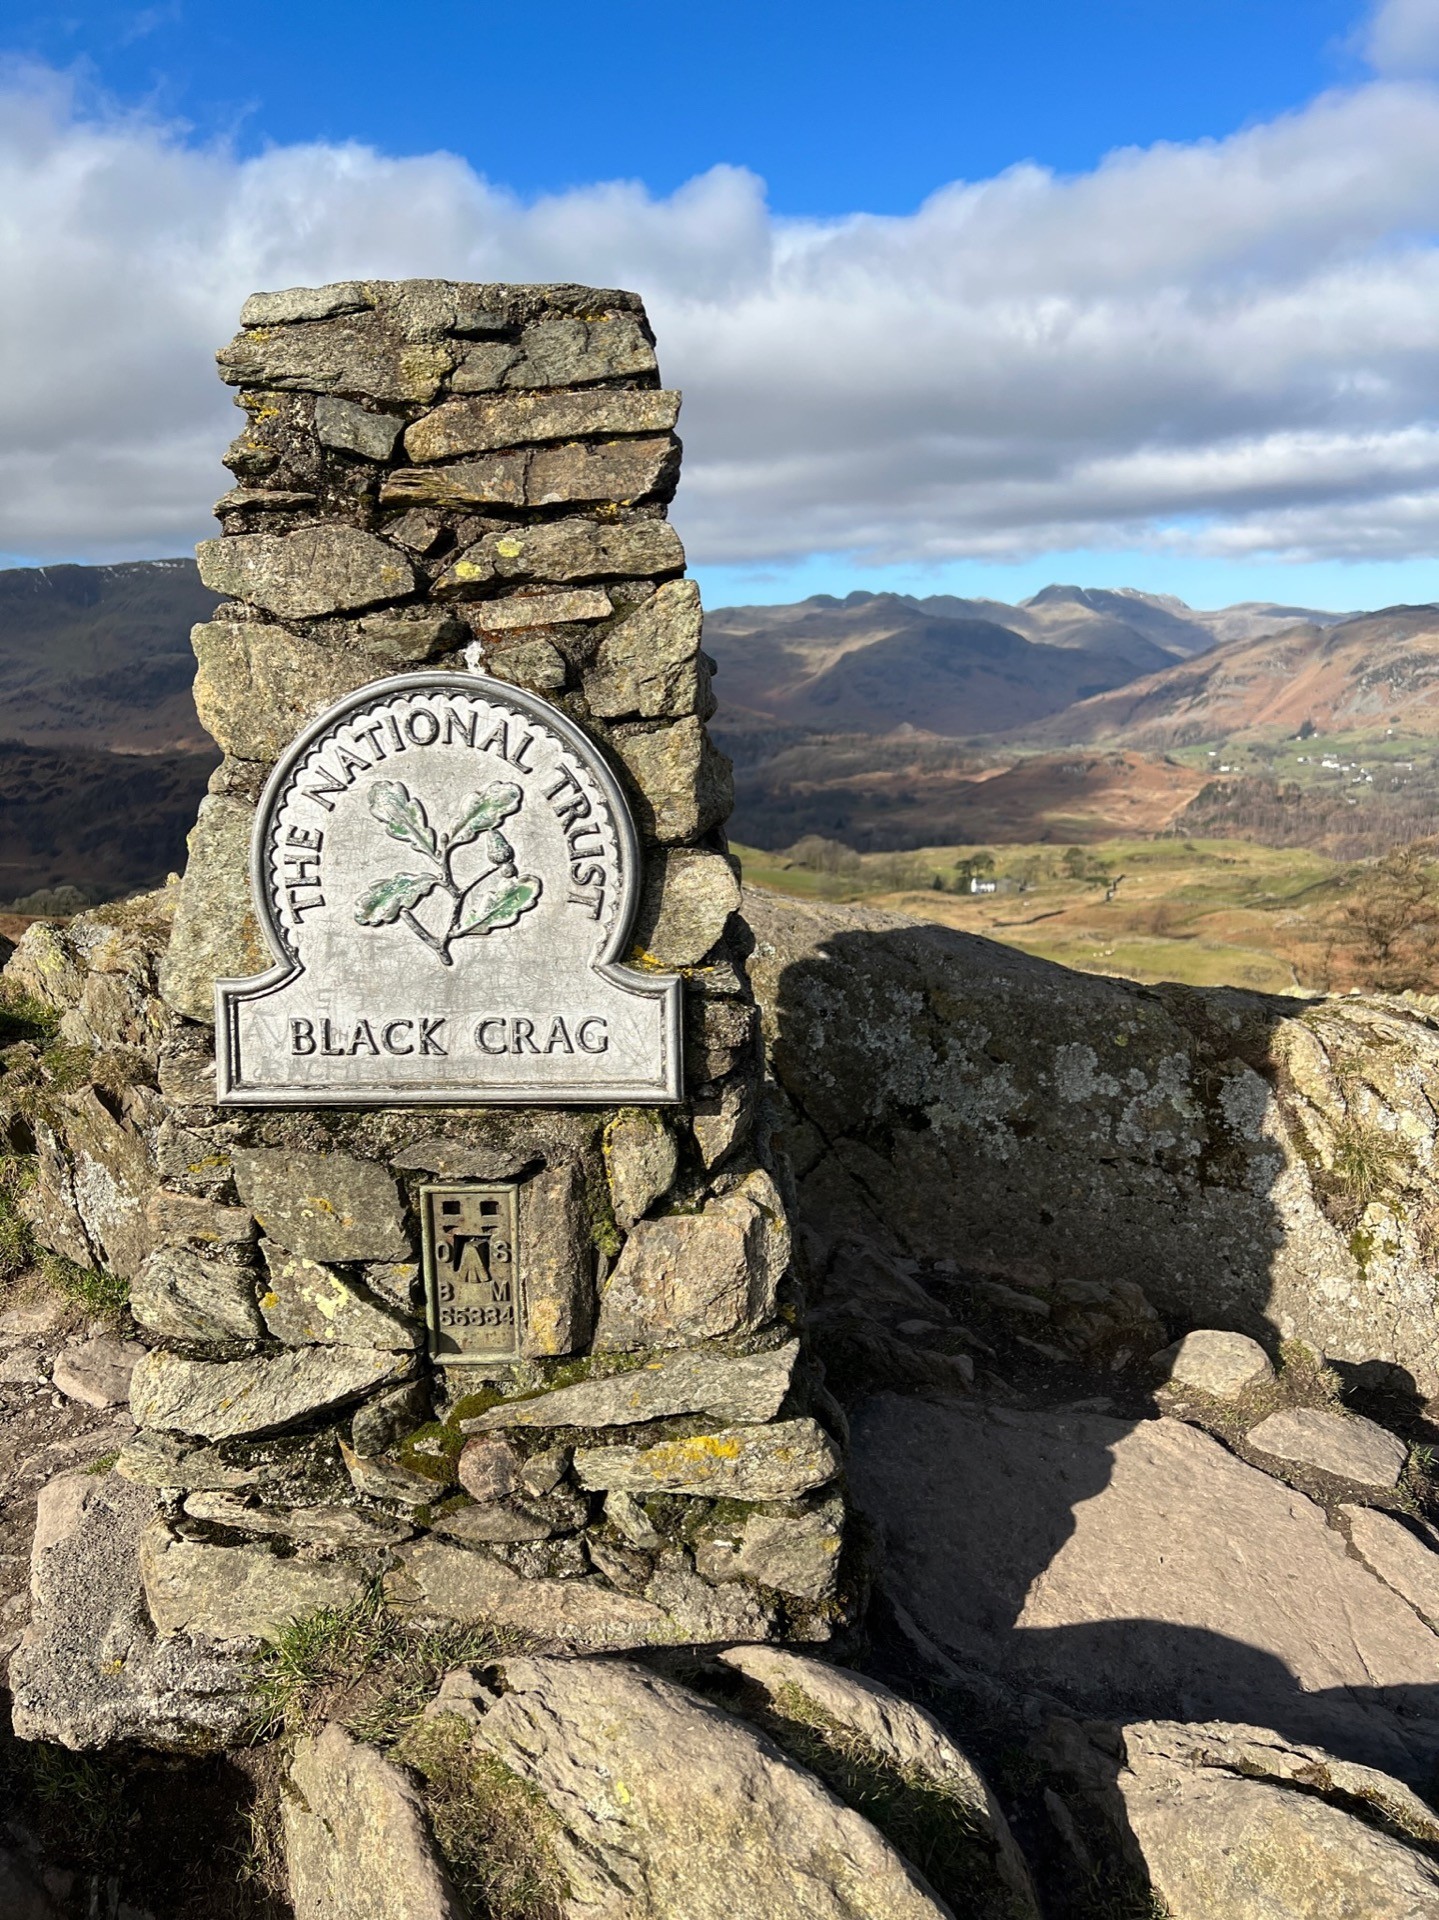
[[461, 478]]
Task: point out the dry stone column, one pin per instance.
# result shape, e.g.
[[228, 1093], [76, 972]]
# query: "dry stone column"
[[467, 483]]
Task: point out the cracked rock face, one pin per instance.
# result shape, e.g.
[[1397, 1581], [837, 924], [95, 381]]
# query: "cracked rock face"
[[956, 1100]]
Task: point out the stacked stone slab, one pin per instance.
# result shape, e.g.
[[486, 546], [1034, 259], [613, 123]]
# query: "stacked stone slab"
[[461, 477]]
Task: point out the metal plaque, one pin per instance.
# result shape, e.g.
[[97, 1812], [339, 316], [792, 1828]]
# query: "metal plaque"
[[472, 1272], [446, 870]]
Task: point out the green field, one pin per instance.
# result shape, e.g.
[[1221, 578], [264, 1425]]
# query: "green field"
[[1204, 912]]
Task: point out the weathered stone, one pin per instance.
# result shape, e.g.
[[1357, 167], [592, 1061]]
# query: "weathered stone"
[[516, 420], [343, 424], [386, 1479], [237, 1593], [908, 1741], [257, 685], [690, 1276], [357, 1841], [563, 350], [353, 353], [1220, 1364], [418, 532], [688, 899], [470, 1586], [484, 367], [323, 1206], [559, 1268], [1398, 1557], [333, 1527], [1234, 1822], [628, 1517], [164, 1460], [302, 575], [621, 473], [650, 663], [519, 610], [397, 1281], [1344, 1444], [97, 1372], [981, 1105], [776, 1462], [216, 933], [89, 1671], [305, 303], [492, 480], [721, 1119], [1139, 1569], [640, 1161], [220, 1399], [562, 550], [379, 1423], [751, 1388], [488, 1469], [184, 1296], [204, 1226], [493, 1525], [696, 1829], [684, 785], [308, 1304], [796, 1552], [24, 1369], [408, 636], [534, 663]]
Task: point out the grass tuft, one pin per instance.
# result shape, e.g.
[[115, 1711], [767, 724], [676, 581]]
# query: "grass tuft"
[[105, 1295], [495, 1829]]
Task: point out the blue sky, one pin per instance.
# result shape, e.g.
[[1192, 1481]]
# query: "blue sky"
[[840, 107], [962, 299]]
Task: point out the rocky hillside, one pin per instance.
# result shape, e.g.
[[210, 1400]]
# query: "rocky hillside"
[[1124, 1300], [1364, 674], [102, 758]]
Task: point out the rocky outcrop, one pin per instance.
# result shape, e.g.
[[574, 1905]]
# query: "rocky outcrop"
[[1257, 1163], [667, 1805], [1125, 1569], [1226, 1822], [357, 1841], [91, 1670]]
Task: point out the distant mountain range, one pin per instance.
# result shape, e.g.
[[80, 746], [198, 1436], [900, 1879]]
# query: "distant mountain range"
[[1361, 674], [962, 668], [884, 718]]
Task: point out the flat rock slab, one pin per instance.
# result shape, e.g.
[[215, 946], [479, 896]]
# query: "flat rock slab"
[[219, 1400], [97, 1373], [668, 1806], [1141, 1571], [1221, 1364], [90, 1670], [357, 1842], [749, 1388], [237, 1593], [1343, 1444], [323, 1206], [1400, 1558]]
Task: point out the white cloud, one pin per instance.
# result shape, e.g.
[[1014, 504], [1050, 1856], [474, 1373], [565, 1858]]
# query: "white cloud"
[[1228, 346], [1402, 36]]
